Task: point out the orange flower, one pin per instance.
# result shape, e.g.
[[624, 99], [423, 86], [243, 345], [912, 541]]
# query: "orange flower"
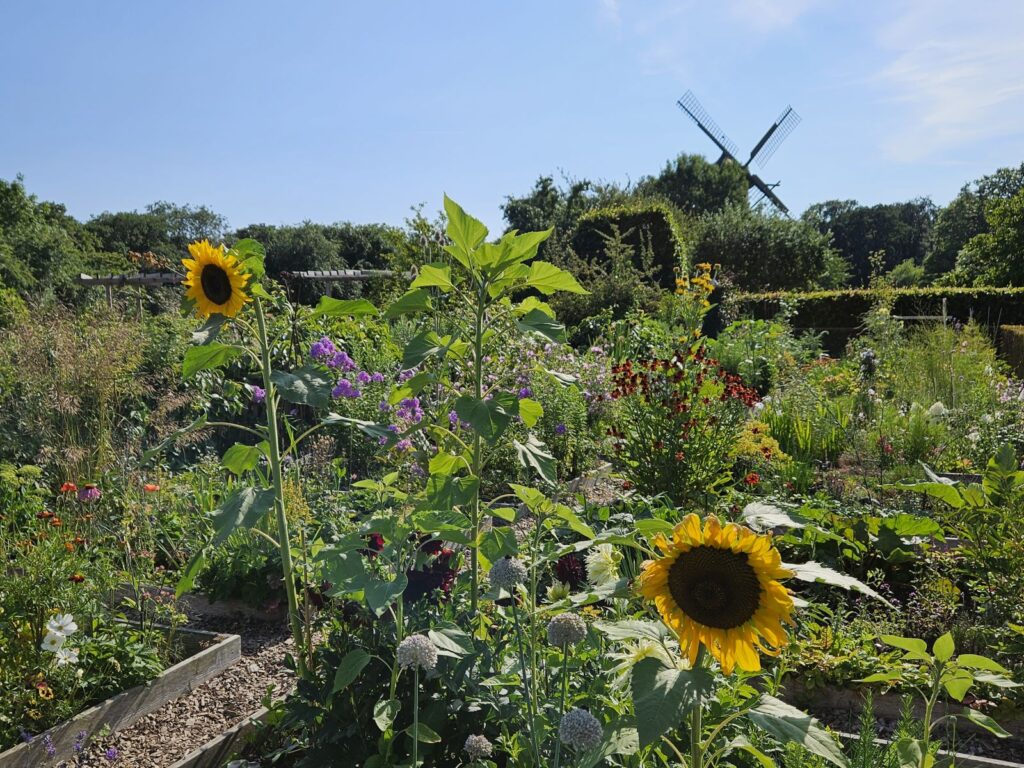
[[68, 488], [76, 578], [151, 487]]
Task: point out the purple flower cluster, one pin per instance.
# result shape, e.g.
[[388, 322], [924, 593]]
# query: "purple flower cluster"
[[345, 388], [409, 410], [323, 349], [259, 394], [48, 745], [111, 754]]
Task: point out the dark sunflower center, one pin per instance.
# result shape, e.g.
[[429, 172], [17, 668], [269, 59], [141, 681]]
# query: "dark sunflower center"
[[716, 587], [216, 284]]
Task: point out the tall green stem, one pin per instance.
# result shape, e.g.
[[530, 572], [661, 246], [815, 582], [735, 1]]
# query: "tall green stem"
[[283, 535], [415, 715], [561, 701], [478, 382], [527, 686], [696, 721]]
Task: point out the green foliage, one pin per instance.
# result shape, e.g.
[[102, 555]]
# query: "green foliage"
[[696, 186], [762, 252], [1011, 344], [995, 257]]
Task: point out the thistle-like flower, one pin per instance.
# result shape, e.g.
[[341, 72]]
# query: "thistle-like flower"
[[603, 564], [417, 651], [478, 747], [566, 629], [580, 730], [507, 573]]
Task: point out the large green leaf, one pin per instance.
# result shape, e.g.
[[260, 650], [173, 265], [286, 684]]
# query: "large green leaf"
[[974, 661], [444, 492], [944, 647], [245, 507], [380, 593], [307, 385], [489, 418], [420, 347], [498, 543], [188, 576], [530, 411], [251, 255], [986, 722], [210, 330], [818, 573], [239, 458], [434, 276], [633, 629], [533, 454], [541, 324], [788, 724], [207, 356], [914, 648], [349, 668], [663, 696], [464, 231], [409, 303], [331, 307], [945, 493], [547, 278]]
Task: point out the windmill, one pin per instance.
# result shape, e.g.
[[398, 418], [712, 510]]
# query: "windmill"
[[761, 152]]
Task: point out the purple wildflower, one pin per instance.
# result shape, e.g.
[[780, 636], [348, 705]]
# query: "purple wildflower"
[[377, 377], [363, 377], [405, 444], [383, 406], [89, 492], [345, 389], [560, 429], [453, 418], [323, 349], [80, 741], [343, 361], [525, 392], [51, 750], [409, 409], [259, 394], [111, 754], [404, 376]]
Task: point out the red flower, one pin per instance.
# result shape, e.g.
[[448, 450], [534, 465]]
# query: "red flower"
[[752, 479], [68, 488], [151, 487]]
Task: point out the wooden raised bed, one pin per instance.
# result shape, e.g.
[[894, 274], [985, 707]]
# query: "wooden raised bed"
[[215, 752], [215, 652]]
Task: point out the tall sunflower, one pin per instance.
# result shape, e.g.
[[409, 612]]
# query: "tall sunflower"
[[718, 586], [216, 281]]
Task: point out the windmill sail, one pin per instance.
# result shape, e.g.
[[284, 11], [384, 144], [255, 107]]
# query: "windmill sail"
[[699, 115]]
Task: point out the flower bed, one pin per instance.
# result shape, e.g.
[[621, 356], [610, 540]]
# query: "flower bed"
[[212, 653]]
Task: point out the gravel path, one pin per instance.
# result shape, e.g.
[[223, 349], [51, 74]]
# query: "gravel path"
[[184, 724]]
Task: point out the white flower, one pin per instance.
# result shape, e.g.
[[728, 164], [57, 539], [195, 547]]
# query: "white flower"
[[974, 436], [417, 651], [558, 590], [62, 624], [937, 410], [986, 418], [52, 642], [603, 564], [67, 656], [478, 747]]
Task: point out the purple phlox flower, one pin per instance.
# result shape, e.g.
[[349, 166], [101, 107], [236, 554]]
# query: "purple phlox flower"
[[453, 418], [51, 750], [343, 361], [259, 394], [323, 349], [377, 377], [111, 754], [393, 428], [405, 444], [89, 492], [80, 741], [383, 406], [383, 439], [560, 429], [525, 392], [404, 376], [409, 409], [363, 377], [345, 388]]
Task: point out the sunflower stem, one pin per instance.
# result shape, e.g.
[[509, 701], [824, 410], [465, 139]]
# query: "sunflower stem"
[[284, 537]]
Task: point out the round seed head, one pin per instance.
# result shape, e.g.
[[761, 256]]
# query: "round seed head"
[[580, 730], [566, 629], [507, 572], [417, 651], [478, 747]]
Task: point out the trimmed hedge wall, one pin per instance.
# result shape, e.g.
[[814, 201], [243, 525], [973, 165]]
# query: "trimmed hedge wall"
[[839, 314], [1011, 344], [651, 221]]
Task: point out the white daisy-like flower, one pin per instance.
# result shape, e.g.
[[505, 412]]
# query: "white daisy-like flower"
[[62, 624], [67, 656], [52, 642], [603, 564]]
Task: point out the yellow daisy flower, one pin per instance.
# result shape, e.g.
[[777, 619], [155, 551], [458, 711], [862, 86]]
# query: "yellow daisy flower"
[[215, 280], [717, 586]]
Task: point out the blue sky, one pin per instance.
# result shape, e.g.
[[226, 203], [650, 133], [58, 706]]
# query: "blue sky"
[[341, 111]]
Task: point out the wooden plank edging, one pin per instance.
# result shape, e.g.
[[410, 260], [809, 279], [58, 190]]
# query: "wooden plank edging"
[[125, 708]]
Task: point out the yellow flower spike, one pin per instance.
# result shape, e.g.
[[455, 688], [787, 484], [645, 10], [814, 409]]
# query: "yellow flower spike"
[[717, 586], [215, 280]]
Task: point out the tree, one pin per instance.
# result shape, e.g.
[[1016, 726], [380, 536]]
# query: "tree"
[[696, 186], [765, 252], [965, 216], [899, 231], [996, 257]]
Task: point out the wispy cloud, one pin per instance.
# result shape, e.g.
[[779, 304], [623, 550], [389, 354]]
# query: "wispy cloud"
[[957, 71]]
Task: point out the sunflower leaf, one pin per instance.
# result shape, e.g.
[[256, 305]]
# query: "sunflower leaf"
[[820, 574], [207, 356], [788, 724], [663, 696]]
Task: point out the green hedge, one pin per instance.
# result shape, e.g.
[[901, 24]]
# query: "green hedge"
[[1011, 344], [652, 222], [839, 314]]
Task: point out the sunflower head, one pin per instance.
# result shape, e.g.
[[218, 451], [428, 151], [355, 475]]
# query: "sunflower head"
[[216, 281], [718, 586]]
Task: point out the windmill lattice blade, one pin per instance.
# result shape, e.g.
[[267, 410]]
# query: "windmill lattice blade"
[[700, 116], [784, 126], [767, 191]]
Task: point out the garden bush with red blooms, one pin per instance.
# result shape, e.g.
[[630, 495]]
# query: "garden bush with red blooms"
[[677, 419]]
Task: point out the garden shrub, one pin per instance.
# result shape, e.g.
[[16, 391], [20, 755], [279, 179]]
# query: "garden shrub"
[[1011, 344]]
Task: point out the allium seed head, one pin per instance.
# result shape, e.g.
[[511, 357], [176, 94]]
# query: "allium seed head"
[[478, 747], [580, 730], [566, 629], [507, 572], [417, 651]]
